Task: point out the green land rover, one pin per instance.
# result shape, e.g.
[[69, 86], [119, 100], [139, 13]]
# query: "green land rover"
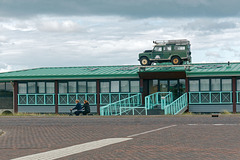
[[175, 51]]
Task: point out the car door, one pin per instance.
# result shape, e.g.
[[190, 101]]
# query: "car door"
[[157, 52], [166, 52]]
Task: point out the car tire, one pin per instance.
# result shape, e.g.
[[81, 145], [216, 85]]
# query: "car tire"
[[176, 60], [144, 61]]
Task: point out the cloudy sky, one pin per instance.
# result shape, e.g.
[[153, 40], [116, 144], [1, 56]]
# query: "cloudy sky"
[[43, 33]]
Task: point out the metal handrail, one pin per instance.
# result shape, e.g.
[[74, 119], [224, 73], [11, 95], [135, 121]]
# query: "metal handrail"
[[158, 98], [122, 106], [109, 99], [238, 96], [176, 106]]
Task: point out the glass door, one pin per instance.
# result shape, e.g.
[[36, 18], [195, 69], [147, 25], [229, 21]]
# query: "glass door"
[[153, 86], [173, 87], [182, 86]]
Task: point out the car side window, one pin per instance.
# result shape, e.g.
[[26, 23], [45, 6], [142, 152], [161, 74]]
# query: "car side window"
[[167, 48], [158, 49], [180, 48]]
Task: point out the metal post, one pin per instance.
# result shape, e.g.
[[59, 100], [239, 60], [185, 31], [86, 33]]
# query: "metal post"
[[15, 96], [187, 91], [234, 100], [56, 97], [98, 96]]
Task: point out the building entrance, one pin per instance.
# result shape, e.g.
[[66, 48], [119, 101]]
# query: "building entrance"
[[176, 86]]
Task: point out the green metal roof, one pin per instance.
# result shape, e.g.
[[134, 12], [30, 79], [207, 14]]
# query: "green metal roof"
[[214, 69], [83, 72], [124, 71], [164, 67]]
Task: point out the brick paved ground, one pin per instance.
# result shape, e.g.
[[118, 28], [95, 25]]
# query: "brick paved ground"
[[29, 135]]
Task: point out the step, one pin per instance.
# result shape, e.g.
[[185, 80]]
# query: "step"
[[155, 111]]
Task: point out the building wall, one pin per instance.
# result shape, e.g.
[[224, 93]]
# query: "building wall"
[[36, 109], [41, 96], [49, 109], [211, 108], [238, 107]]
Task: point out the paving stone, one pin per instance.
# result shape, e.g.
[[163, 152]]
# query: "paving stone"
[[29, 135]]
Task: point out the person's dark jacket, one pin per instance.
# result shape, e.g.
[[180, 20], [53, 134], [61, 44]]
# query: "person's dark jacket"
[[78, 107], [86, 108]]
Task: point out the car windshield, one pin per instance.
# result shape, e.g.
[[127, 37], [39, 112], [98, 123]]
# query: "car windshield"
[[157, 48]]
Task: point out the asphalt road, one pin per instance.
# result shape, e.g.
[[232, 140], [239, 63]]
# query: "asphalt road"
[[188, 137]]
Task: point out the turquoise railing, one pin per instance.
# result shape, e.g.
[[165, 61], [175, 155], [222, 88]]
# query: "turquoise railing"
[[238, 96], [130, 105], [70, 98], [36, 99], [158, 98], [220, 97], [107, 98], [176, 106]]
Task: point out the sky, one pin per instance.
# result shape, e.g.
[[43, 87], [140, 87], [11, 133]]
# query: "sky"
[[46, 33]]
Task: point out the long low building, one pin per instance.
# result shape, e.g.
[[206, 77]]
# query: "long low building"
[[210, 87]]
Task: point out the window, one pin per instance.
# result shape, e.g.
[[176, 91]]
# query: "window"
[[31, 87], [158, 49], [63, 87], [163, 86], [9, 87], [6, 90], [180, 48], [72, 87], [40, 87], [134, 86], [215, 85], [167, 48], [194, 85], [91, 87], [2, 86], [226, 85], [204, 83], [82, 86], [22, 88], [50, 87], [124, 86], [238, 85], [114, 86], [104, 87]]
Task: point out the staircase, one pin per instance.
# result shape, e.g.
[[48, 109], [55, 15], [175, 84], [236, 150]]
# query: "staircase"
[[159, 103], [128, 106]]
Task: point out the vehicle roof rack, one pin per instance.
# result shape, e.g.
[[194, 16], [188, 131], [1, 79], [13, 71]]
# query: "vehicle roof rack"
[[177, 42]]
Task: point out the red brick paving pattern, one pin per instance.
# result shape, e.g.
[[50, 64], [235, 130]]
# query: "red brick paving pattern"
[[31, 135]]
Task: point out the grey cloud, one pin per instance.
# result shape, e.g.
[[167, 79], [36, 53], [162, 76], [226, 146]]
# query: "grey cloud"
[[210, 25], [229, 49], [128, 8], [56, 26], [108, 41], [213, 55]]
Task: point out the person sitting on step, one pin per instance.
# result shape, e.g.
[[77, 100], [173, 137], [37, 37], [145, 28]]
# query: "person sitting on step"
[[78, 108], [86, 107]]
